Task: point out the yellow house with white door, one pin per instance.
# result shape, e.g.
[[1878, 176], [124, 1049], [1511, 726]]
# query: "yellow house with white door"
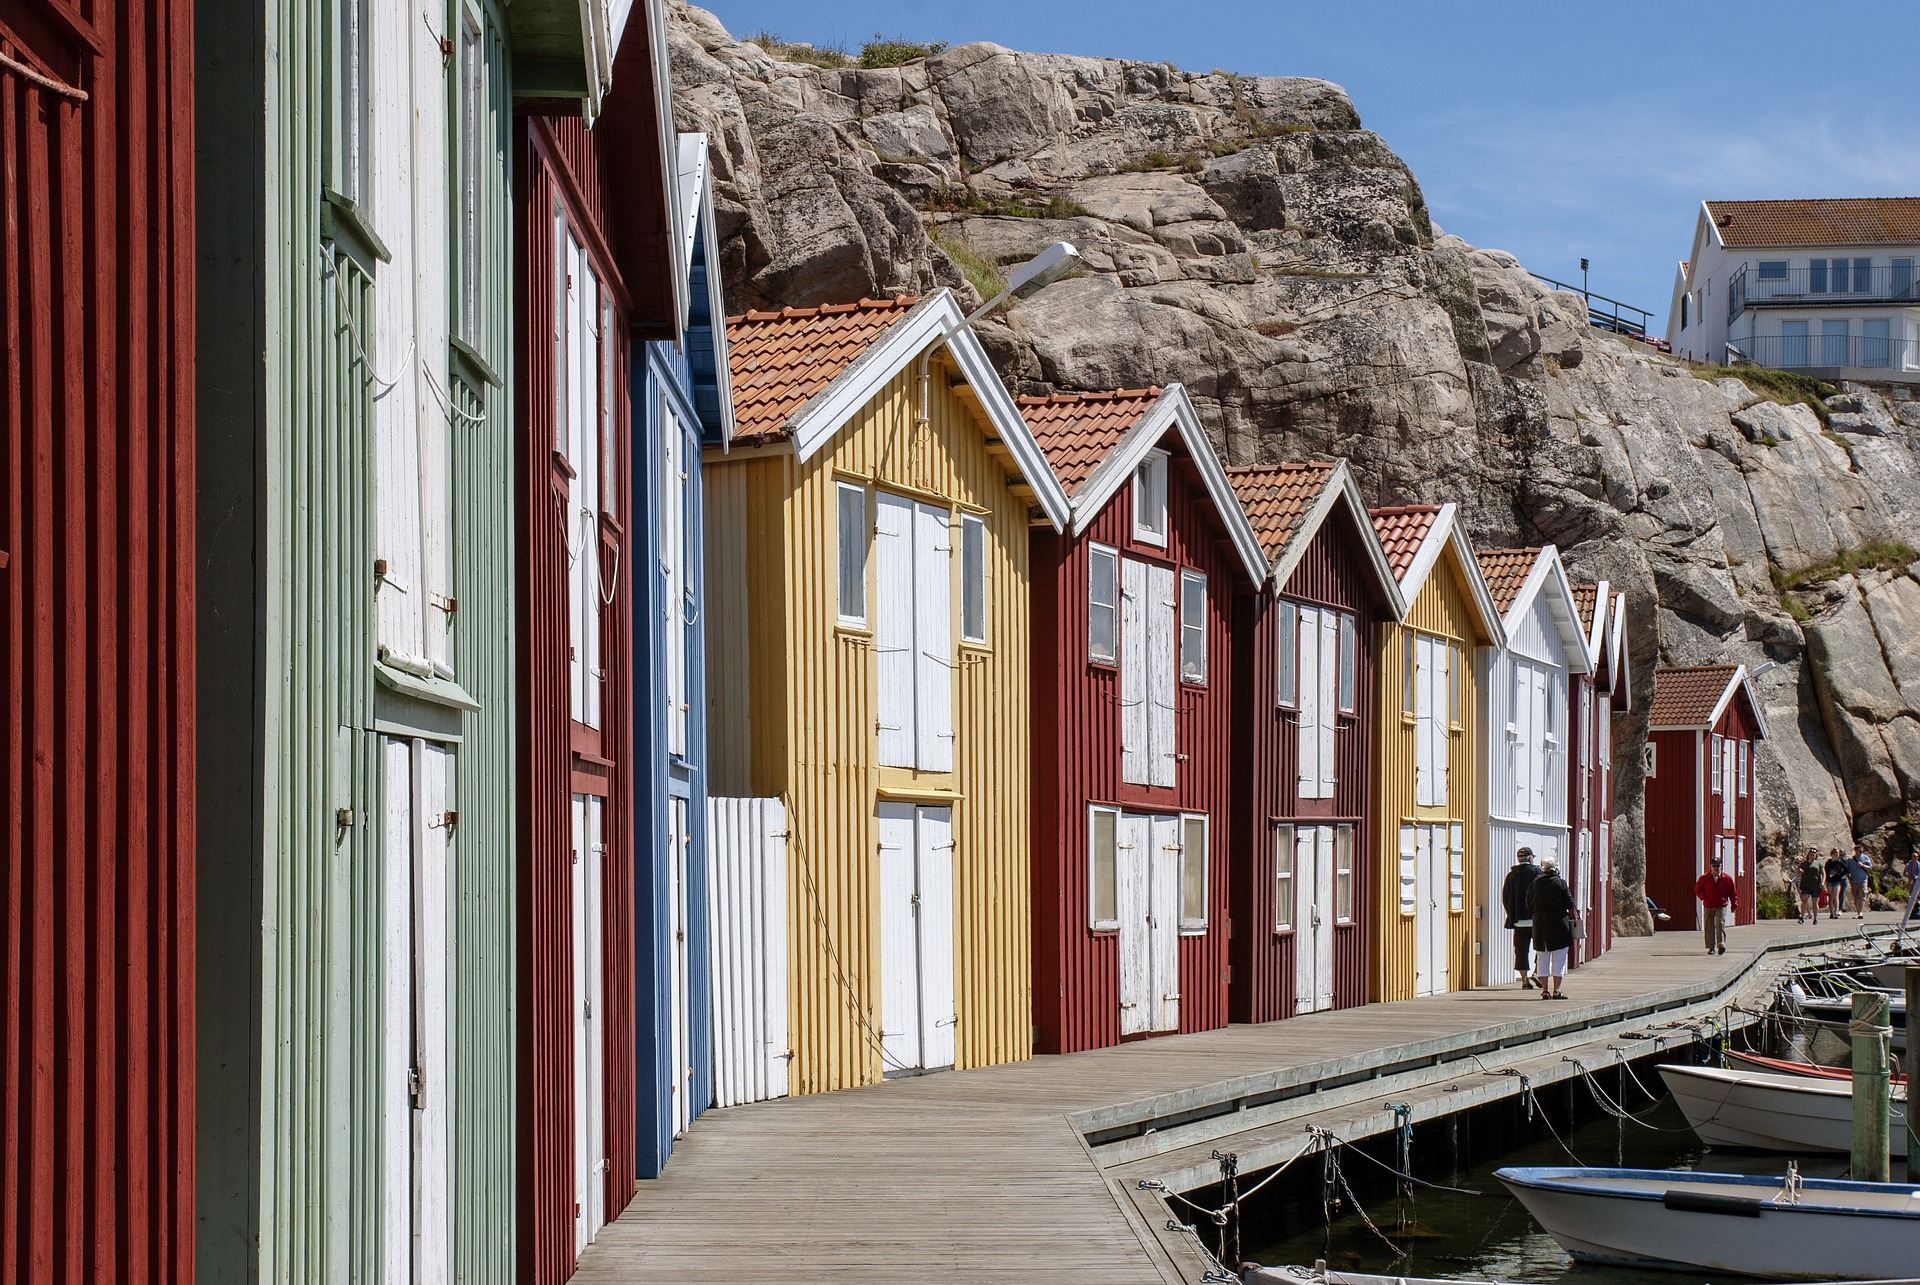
[[868, 664], [1428, 771]]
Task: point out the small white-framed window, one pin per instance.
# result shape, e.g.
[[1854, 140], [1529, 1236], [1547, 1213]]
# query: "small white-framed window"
[[1409, 871], [1343, 874], [973, 579], [1193, 873], [1150, 499], [1283, 878], [1103, 874], [1773, 269], [1713, 761], [1743, 769], [1103, 604], [1193, 627], [1456, 868], [851, 501], [1454, 716], [1287, 666], [352, 100], [1409, 674], [471, 144], [1740, 856], [1349, 663], [1650, 760]]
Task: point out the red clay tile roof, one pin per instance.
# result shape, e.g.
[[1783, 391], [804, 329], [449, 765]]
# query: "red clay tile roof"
[[1506, 572], [1077, 430], [780, 360], [1832, 221], [1686, 697], [1402, 530], [1277, 496], [1584, 597]]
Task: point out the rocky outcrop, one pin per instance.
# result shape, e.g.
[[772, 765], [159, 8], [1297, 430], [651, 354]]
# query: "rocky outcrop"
[[1247, 237]]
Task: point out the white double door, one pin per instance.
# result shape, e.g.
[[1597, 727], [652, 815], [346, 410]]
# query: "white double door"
[[1431, 972], [1147, 863], [916, 1017], [1149, 635], [589, 1038], [913, 633], [1313, 917]]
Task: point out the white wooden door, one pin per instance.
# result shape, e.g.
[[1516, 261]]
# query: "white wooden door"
[[1311, 710], [1329, 699], [933, 639], [1163, 633], [1430, 908], [589, 1042], [934, 923], [1543, 746], [1164, 922], [893, 609], [747, 940], [679, 1068], [899, 1017], [1313, 918], [1422, 839], [1135, 767], [1133, 840]]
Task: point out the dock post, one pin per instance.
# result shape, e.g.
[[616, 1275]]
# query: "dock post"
[[1871, 1086], [1913, 1047]]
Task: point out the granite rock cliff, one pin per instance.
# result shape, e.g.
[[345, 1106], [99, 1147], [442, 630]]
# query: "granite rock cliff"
[[1248, 238]]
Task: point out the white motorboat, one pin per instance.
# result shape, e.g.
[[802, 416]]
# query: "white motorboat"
[[1321, 1274], [1731, 1107], [1750, 1225]]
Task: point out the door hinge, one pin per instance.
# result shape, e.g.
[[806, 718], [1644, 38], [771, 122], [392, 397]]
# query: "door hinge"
[[415, 1094]]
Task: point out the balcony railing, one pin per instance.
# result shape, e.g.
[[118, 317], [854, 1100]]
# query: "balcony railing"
[[1607, 314], [1830, 283], [1826, 352]]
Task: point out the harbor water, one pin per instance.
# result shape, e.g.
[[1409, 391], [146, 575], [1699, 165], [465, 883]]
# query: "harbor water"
[[1377, 1224]]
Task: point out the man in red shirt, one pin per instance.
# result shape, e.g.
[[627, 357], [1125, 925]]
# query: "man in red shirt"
[[1717, 894]]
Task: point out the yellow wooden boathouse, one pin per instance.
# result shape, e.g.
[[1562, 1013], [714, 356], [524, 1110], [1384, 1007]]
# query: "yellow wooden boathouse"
[[868, 664], [1428, 774]]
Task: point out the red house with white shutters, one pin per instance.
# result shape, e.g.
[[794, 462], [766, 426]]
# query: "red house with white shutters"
[[1699, 766], [1594, 698], [1132, 668], [1300, 885]]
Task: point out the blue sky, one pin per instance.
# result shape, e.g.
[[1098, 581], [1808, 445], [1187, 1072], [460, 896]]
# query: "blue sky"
[[1550, 129]]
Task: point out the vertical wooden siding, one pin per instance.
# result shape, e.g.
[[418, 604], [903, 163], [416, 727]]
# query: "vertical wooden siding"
[[1737, 723], [1267, 788], [97, 645], [558, 164], [1076, 757], [1442, 609], [811, 693], [1675, 824]]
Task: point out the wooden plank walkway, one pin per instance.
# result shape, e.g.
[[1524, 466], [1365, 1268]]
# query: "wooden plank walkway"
[[987, 1175]]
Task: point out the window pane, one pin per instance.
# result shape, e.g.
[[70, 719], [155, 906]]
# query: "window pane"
[[1713, 765], [1348, 659], [1817, 276], [1901, 282], [1103, 603], [853, 553], [973, 579], [1408, 877], [470, 166], [1453, 683], [1105, 903], [1773, 269], [1150, 496], [1193, 873], [1876, 342], [1409, 645], [1289, 657], [1343, 875], [1283, 877], [1862, 276], [1193, 627]]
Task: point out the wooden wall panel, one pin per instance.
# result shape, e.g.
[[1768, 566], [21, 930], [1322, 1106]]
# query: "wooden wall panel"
[[1675, 825], [97, 642]]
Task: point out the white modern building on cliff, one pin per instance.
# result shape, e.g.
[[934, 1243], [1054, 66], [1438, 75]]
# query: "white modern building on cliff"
[[1825, 286]]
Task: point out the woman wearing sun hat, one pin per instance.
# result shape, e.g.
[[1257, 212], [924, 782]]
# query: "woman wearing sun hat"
[[1551, 903]]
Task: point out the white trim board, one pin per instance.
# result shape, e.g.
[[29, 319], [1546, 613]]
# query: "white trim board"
[[1550, 576], [1340, 488], [1445, 531]]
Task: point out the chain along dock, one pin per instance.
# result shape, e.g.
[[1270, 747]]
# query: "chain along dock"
[[1070, 1166]]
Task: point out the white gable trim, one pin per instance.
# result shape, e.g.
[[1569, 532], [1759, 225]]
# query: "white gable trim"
[[1173, 408], [1340, 490], [1550, 577], [920, 330], [1447, 531], [1619, 659], [696, 209], [1602, 601]]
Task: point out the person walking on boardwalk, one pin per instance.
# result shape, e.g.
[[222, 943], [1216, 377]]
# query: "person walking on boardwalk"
[[1859, 869], [1718, 896], [1913, 885], [1550, 906], [1810, 876], [1513, 896], [1836, 871]]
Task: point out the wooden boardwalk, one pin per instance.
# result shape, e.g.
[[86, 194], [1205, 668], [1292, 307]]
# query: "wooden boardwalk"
[[1013, 1173]]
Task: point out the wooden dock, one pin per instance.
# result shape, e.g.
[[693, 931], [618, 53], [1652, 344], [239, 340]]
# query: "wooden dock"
[[1032, 1170]]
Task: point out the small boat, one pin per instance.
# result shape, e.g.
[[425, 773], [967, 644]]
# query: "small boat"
[[1839, 1008], [1751, 1225], [1766, 1112], [1784, 1066], [1321, 1274]]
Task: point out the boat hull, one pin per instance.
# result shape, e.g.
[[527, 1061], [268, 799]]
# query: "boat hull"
[[1765, 1112], [1629, 1217]]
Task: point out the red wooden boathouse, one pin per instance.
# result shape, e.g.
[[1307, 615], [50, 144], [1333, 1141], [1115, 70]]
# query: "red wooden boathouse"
[[97, 641], [1593, 698], [596, 275], [1132, 670], [1701, 732], [1303, 758]]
